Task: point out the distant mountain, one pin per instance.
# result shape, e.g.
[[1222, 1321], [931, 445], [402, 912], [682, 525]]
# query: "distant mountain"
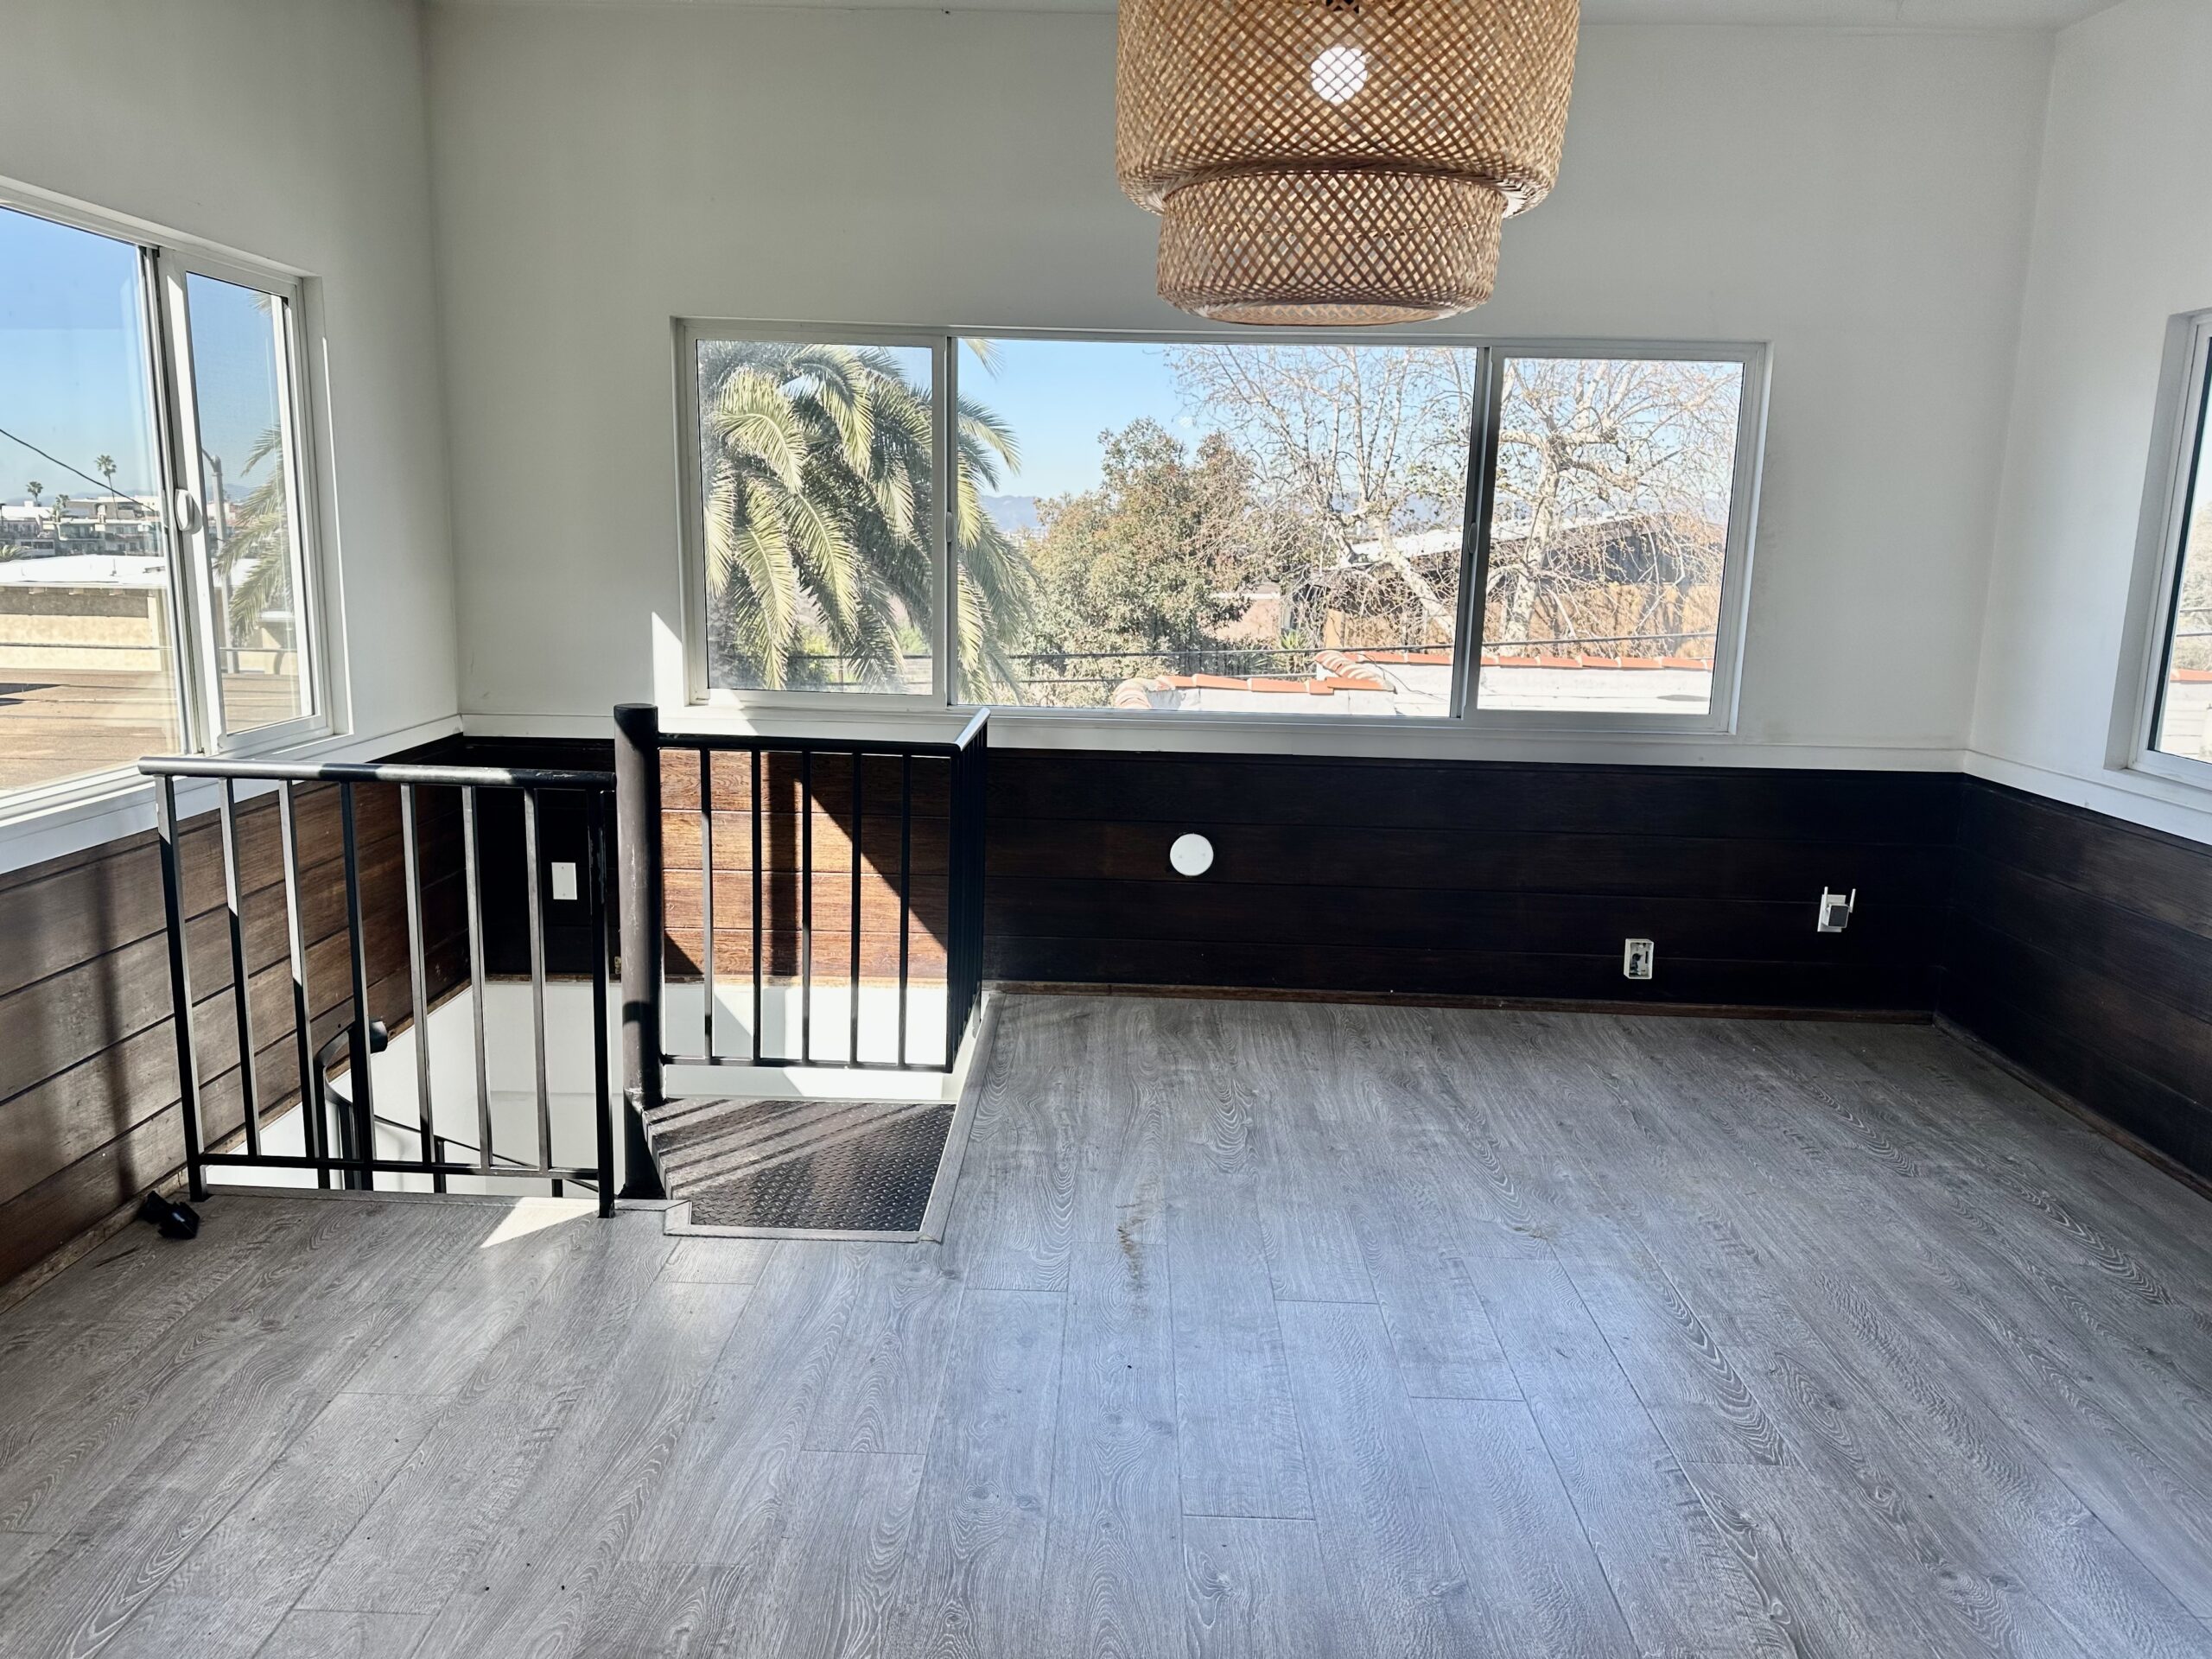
[[1014, 514]]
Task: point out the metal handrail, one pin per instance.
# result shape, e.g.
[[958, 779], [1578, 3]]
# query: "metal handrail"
[[373, 771], [356, 1165]]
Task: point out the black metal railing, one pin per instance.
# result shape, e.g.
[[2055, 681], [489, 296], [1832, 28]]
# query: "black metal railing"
[[353, 1163], [639, 746]]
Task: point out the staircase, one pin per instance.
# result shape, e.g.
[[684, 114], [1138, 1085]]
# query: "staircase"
[[843, 1166]]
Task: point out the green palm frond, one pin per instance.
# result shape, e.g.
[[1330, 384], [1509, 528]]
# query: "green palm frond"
[[749, 567], [256, 558], [823, 551], [984, 433], [751, 417], [819, 475]]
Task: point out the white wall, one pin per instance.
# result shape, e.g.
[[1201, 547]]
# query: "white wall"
[[2122, 242], [1862, 200], [294, 130]]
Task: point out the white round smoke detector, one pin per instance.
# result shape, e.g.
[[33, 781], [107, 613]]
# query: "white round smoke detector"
[[1190, 856]]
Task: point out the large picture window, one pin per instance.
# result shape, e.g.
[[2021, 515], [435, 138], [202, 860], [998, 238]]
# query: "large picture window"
[[1362, 528], [156, 589]]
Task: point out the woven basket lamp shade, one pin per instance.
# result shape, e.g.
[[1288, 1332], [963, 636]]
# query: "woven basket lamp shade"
[[1333, 161]]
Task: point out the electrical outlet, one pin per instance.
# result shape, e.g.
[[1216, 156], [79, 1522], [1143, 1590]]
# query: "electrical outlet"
[[1637, 957], [564, 881]]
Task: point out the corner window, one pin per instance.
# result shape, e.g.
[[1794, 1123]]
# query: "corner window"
[[155, 587], [2179, 701], [1379, 528]]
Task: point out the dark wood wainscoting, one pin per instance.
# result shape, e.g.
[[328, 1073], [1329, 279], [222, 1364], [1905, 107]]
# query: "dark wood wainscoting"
[[2078, 947], [790, 927], [1469, 879], [88, 1081], [2081, 949]]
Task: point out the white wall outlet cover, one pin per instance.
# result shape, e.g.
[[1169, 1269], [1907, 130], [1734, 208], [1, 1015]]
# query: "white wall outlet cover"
[[564, 880], [1190, 856]]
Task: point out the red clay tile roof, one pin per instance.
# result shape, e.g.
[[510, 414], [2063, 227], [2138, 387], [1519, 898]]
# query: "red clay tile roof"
[[1332, 677]]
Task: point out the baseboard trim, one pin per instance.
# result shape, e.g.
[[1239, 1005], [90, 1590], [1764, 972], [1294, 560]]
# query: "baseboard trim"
[[1436, 1000], [2090, 1118], [57, 1262]]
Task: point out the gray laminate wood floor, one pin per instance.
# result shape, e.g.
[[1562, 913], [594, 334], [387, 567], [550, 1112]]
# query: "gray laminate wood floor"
[[1263, 1330]]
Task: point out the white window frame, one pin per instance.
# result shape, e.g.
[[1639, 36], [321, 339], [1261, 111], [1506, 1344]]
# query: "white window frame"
[[689, 336], [2185, 386], [1464, 714], [1719, 715], [165, 259], [172, 266]]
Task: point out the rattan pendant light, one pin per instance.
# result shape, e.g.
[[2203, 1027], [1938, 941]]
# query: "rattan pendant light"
[[1336, 161]]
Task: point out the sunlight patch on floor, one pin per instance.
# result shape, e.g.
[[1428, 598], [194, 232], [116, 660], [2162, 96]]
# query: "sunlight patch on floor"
[[534, 1215]]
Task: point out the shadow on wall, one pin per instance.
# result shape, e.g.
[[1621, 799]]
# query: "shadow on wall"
[[857, 886]]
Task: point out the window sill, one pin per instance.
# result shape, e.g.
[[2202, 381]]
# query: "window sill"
[[113, 805], [2171, 776], [105, 806], [1542, 739]]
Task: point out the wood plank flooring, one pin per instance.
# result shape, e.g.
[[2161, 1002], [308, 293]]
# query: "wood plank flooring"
[[1259, 1331]]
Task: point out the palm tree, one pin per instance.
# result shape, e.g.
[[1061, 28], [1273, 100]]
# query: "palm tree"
[[36, 490], [817, 475], [104, 465], [255, 560]]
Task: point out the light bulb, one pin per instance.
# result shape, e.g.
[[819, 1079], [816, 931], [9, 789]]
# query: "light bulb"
[[1339, 73]]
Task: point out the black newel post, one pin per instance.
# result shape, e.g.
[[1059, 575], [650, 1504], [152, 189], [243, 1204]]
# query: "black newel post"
[[637, 815]]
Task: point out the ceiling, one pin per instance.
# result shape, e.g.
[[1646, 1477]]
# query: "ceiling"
[[1890, 14]]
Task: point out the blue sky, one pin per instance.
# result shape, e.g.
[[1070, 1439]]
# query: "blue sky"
[[73, 377], [1058, 395]]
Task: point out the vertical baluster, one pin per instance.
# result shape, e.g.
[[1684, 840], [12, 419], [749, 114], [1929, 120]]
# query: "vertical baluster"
[[955, 888], [474, 897], [974, 898], [982, 858], [364, 1088], [188, 1044], [852, 1042], [806, 906], [538, 983], [602, 1098], [980, 848], [707, 888], [249, 1073], [756, 905], [418, 976], [314, 1137], [905, 886], [644, 928]]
